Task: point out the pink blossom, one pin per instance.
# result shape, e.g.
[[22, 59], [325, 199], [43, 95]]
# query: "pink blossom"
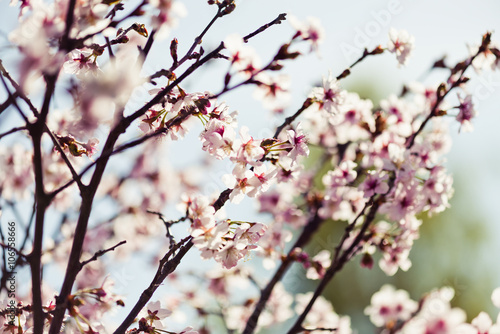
[[289, 170], [374, 183], [16, 175], [237, 316], [250, 232], [188, 330], [484, 60], [38, 57], [425, 95], [273, 243], [401, 43], [222, 281], [155, 314], [233, 245], [92, 18], [322, 314], [404, 201], [107, 92], [385, 151], [221, 112], [437, 190], [309, 30], [153, 119], [394, 258], [243, 57], [25, 7], [218, 139], [330, 97], [388, 306], [202, 215], [247, 149], [210, 241], [394, 242], [344, 174], [80, 63], [342, 203], [466, 113], [436, 315], [495, 297], [399, 115], [230, 253], [168, 16], [261, 179], [278, 308], [272, 91], [357, 111], [91, 146], [320, 262], [298, 141], [355, 120], [481, 324], [239, 182]]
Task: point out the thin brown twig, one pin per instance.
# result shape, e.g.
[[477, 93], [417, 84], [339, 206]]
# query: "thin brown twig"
[[281, 17], [12, 98], [4, 106], [324, 329], [19, 92], [198, 39], [189, 53], [307, 103], [65, 158], [101, 253], [28, 227], [168, 223], [148, 46], [11, 131], [18, 253], [110, 49], [440, 97]]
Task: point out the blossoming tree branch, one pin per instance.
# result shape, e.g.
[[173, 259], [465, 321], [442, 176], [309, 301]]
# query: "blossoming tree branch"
[[85, 172]]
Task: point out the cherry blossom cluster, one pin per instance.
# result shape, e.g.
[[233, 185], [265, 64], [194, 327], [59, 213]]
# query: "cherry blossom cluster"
[[226, 241], [100, 164], [393, 311], [380, 155]]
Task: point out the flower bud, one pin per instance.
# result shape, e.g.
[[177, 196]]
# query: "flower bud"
[[367, 261]]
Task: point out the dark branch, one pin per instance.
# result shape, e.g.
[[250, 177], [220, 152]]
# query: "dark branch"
[[281, 17], [19, 91], [338, 262], [306, 234]]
